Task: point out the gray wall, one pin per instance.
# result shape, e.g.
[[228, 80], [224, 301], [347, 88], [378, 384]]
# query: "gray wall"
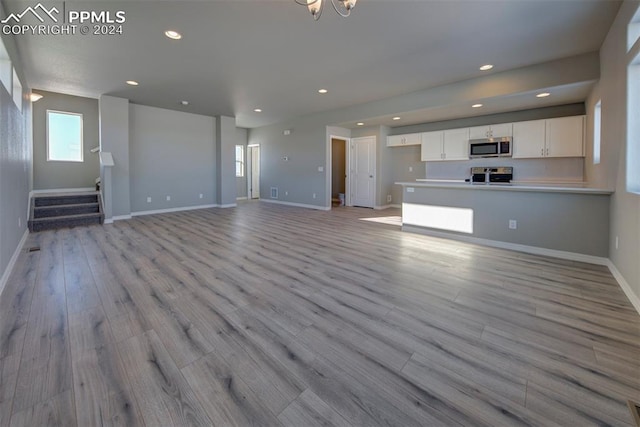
[[53, 175], [114, 139], [225, 168], [241, 182], [611, 172], [561, 221], [307, 146], [171, 154], [15, 166]]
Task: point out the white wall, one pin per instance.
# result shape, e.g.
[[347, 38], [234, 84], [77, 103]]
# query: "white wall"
[[172, 154], [625, 206]]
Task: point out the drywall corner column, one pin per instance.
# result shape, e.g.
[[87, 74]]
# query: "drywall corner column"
[[226, 161], [114, 138]]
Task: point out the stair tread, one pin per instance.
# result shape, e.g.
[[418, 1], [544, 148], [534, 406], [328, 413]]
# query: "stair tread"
[[63, 217], [78, 205]]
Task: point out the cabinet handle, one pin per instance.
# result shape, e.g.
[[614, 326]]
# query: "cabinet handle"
[[542, 151], [547, 151]]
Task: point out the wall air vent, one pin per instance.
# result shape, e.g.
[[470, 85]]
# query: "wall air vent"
[[274, 192]]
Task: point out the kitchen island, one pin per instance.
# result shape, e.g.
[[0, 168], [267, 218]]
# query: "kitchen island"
[[567, 221]]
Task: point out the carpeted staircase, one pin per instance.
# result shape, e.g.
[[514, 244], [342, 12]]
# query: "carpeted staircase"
[[51, 211]]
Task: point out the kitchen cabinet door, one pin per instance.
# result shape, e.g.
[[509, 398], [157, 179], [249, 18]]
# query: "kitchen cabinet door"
[[565, 137], [394, 140], [407, 139], [492, 131], [529, 139], [431, 146], [502, 129], [456, 144], [479, 132]]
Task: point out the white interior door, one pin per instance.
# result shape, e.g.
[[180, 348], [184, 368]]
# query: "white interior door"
[[363, 171], [254, 179]]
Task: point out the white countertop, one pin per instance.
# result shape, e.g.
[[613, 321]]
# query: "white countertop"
[[548, 188]]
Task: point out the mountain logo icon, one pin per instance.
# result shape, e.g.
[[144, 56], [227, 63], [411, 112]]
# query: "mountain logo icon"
[[43, 11]]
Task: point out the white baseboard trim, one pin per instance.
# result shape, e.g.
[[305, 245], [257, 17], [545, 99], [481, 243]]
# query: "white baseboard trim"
[[572, 256], [169, 210], [299, 205], [228, 205], [63, 190], [635, 299], [241, 198], [12, 261], [108, 221], [379, 208]]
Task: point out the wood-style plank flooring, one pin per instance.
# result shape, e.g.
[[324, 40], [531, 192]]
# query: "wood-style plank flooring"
[[272, 315]]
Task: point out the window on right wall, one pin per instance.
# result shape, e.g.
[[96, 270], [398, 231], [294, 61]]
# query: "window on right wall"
[[597, 118], [633, 107]]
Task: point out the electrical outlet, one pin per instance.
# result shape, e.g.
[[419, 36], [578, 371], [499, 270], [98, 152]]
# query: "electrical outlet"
[[388, 197], [410, 168], [320, 168], [201, 195], [314, 195], [286, 193], [617, 241], [148, 199], [513, 224], [168, 198], [19, 222]]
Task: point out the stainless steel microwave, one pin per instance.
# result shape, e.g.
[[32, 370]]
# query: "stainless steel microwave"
[[491, 147]]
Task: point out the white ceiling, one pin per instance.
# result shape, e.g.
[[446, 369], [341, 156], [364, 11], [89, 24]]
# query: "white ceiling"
[[237, 55]]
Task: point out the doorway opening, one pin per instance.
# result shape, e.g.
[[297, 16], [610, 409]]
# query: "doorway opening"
[[339, 172], [253, 171]]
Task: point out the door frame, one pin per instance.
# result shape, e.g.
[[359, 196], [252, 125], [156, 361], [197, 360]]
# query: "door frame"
[[347, 168], [249, 169]]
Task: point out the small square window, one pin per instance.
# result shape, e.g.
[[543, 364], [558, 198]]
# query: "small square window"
[[64, 136]]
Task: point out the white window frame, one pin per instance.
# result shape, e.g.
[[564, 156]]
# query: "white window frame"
[[5, 68], [597, 132], [633, 106], [242, 161], [81, 136], [17, 90]]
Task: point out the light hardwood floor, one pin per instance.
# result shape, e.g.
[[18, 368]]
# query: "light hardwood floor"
[[273, 315]]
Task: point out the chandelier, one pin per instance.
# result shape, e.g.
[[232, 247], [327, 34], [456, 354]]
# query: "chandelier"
[[343, 7]]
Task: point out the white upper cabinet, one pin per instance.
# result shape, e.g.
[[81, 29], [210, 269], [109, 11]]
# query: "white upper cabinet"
[[456, 144], [452, 144], [407, 139], [561, 137], [432, 146], [491, 131], [528, 139], [565, 137]]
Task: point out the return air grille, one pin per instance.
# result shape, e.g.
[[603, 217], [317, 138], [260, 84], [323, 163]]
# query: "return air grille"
[[274, 192]]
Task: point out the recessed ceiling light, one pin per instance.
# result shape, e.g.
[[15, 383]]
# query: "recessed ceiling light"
[[476, 105], [173, 35], [543, 95], [486, 67], [132, 83], [360, 124], [322, 91], [184, 102], [396, 118], [258, 110], [35, 97]]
